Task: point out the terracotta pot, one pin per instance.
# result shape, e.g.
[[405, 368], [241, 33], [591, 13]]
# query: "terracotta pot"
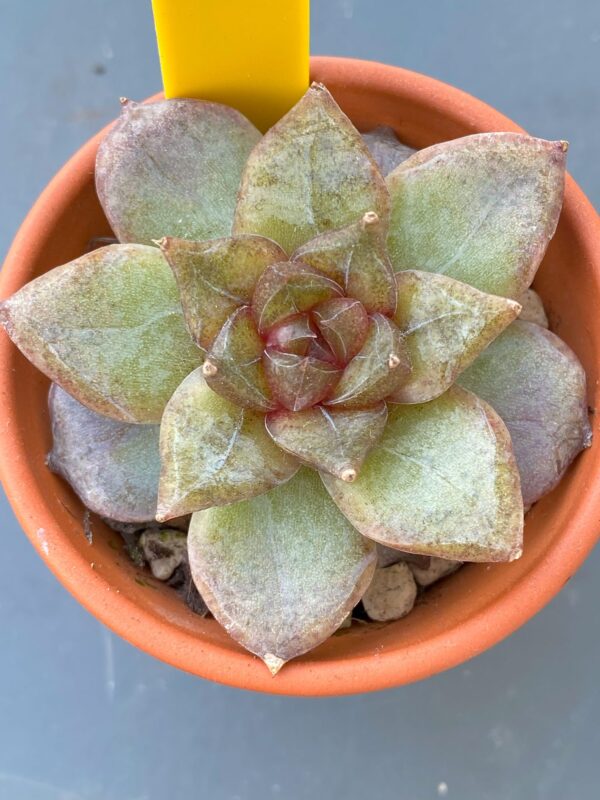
[[461, 616]]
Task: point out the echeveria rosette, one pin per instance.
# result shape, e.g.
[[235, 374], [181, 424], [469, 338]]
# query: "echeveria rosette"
[[304, 308]]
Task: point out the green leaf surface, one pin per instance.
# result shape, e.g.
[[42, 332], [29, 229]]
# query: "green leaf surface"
[[532, 308], [287, 289], [234, 367], [446, 324], [356, 257], [344, 325], [378, 370], [112, 466], [442, 481], [213, 452], [298, 382], [385, 147], [537, 385], [311, 173], [216, 277], [173, 168], [108, 328], [280, 572], [480, 209], [332, 440]]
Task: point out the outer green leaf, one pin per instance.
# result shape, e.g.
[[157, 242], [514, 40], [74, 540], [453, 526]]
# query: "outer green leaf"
[[287, 289], [380, 367], [234, 367], [311, 173], [173, 168], [387, 150], [332, 440], [213, 452], [443, 481], [282, 571], [216, 277], [481, 209], [356, 257], [446, 324], [532, 308], [113, 466], [108, 328], [537, 385]]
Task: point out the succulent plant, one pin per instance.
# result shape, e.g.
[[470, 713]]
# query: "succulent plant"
[[307, 356]]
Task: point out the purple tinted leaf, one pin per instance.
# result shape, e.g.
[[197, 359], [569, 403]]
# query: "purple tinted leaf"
[[298, 382]]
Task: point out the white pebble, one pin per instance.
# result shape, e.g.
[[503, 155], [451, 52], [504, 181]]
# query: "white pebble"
[[164, 550], [438, 568], [392, 593]]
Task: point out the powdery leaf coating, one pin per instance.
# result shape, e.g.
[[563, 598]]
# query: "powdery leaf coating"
[[344, 325], [480, 209], [113, 466], [213, 452], [391, 594], [108, 328], [173, 168], [298, 382], [446, 324], [532, 308], [380, 367], [386, 556], [216, 277], [288, 288], [356, 257], [442, 481], [437, 569], [309, 174], [387, 150], [234, 367], [333, 440], [537, 385], [282, 571], [295, 335]]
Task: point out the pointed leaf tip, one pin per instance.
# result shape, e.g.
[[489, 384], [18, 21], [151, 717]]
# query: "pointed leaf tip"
[[274, 663], [310, 173]]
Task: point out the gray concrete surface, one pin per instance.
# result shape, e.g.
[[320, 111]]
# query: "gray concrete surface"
[[83, 715]]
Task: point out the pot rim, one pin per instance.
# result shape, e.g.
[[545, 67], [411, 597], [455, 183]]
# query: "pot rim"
[[208, 659]]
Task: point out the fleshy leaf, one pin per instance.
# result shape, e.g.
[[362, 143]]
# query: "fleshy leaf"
[[311, 173], [108, 328], [234, 367], [385, 147], [442, 481], [113, 466], [298, 382], [288, 288], [356, 257], [320, 349], [446, 324], [216, 277], [537, 385], [213, 452], [480, 209], [295, 335], [280, 572], [173, 168], [532, 308], [344, 324], [333, 440], [380, 367]]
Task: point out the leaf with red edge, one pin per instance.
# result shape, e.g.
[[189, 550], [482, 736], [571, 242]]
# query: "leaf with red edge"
[[356, 257], [298, 382], [334, 440], [343, 323], [294, 335], [234, 368], [217, 276], [286, 289], [310, 173], [380, 367]]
